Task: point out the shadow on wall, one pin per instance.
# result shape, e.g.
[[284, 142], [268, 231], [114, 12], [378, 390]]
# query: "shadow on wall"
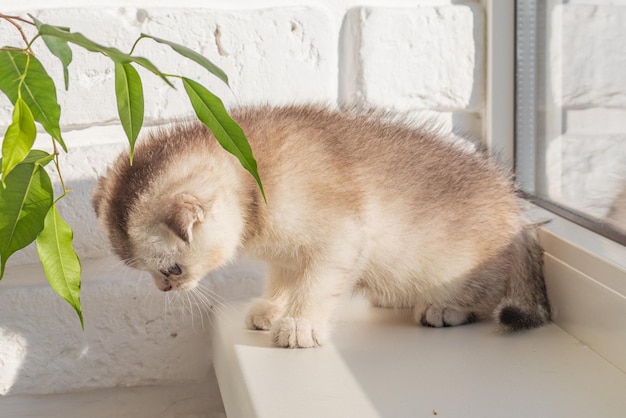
[[134, 334], [131, 342]]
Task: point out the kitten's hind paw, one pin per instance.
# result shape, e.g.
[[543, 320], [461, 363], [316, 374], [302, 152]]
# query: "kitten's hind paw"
[[444, 317], [262, 314], [298, 333]]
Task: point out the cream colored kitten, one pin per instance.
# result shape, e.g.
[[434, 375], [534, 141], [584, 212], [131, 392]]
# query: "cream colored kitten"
[[407, 217]]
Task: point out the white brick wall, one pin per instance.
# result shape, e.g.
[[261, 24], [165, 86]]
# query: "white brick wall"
[[422, 60], [280, 55], [424, 57], [432, 58]]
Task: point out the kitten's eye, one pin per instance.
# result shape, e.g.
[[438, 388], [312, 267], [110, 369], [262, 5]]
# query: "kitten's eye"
[[174, 270]]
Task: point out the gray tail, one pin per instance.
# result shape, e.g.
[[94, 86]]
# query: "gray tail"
[[525, 304]]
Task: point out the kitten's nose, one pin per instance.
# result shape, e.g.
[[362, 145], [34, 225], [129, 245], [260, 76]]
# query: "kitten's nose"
[[167, 286]]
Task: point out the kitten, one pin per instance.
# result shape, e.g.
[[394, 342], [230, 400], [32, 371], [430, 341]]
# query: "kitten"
[[402, 214]]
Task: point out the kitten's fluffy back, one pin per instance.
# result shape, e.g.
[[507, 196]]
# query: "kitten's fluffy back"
[[332, 163]]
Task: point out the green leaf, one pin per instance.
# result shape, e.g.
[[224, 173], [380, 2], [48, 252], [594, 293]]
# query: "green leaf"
[[19, 137], [38, 157], [113, 53], [129, 94], [38, 89], [59, 260], [192, 55], [210, 110], [24, 204], [59, 49]]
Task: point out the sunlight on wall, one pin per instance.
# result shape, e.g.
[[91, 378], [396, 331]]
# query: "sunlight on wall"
[[12, 353]]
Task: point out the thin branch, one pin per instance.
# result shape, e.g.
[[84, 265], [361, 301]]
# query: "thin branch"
[[11, 20], [21, 19]]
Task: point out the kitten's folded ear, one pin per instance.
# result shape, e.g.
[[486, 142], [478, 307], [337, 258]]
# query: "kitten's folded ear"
[[182, 212]]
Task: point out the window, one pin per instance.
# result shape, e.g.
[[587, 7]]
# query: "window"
[[571, 110], [556, 112]]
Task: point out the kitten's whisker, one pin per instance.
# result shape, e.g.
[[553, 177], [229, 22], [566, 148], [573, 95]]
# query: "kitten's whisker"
[[98, 266], [201, 303], [216, 303], [191, 298], [166, 302], [206, 300], [138, 281], [196, 291], [217, 299], [188, 308], [190, 305]]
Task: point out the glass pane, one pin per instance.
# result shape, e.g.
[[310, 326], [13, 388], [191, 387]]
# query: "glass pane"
[[571, 106]]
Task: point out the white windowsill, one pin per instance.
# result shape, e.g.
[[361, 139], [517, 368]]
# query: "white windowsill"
[[380, 364]]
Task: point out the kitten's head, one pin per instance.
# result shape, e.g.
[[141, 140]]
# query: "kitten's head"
[[168, 243], [166, 229]]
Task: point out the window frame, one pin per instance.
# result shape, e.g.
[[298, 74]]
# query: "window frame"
[[500, 116], [579, 261], [528, 157]]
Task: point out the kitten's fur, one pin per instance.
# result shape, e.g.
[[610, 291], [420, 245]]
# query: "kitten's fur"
[[402, 214]]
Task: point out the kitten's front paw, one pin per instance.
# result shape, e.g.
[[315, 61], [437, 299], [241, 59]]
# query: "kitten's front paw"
[[299, 333], [262, 314]]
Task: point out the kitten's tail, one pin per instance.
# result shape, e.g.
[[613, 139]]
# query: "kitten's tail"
[[525, 304]]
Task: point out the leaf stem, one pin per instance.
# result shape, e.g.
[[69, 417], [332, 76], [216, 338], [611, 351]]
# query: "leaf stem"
[[23, 77], [135, 44], [58, 168], [32, 41]]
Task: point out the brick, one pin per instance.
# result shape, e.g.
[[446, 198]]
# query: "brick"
[[415, 58], [281, 55]]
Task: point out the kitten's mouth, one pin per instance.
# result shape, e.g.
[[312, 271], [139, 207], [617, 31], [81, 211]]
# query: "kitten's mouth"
[[166, 284], [169, 278], [163, 285]]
